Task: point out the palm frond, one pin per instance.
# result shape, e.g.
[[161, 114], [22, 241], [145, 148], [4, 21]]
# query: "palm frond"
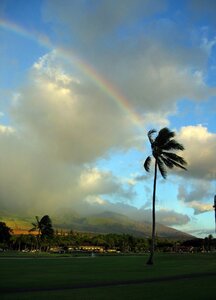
[[161, 146], [150, 133], [35, 225], [176, 159], [167, 162], [173, 145], [147, 163], [34, 228], [179, 165], [162, 168], [164, 136]]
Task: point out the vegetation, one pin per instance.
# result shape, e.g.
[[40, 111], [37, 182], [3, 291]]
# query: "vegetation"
[[162, 150], [48, 240], [45, 230], [5, 234], [44, 227], [74, 242], [192, 275]]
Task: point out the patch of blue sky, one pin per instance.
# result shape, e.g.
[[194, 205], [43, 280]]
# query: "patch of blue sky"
[[211, 75], [204, 223], [166, 193], [4, 119], [192, 113], [122, 163], [27, 13], [18, 54]]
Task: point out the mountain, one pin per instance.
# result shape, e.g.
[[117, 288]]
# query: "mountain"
[[106, 222], [111, 222]]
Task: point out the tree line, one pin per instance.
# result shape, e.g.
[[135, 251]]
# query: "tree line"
[[46, 238]]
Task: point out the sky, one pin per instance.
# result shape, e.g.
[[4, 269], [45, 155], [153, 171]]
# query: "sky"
[[82, 82]]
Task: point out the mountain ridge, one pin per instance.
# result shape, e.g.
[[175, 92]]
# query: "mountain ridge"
[[104, 223], [111, 222]]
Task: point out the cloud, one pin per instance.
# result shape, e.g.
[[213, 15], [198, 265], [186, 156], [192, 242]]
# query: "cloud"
[[90, 25], [197, 194], [33, 182], [71, 125], [58, 129], [30, 180], [160, 79], [200, 148], [163, 216], [195, 190], [200, 207], [6, 129], [201, 232], [96, 182], [171, 218], [97, 204], [140, 63]]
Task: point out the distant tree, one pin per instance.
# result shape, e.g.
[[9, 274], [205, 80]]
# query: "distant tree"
[[206, 243], [162, 150], [210, 242], [20, 242], [36, 226], [47, 230], [5, 233], [44, 228]]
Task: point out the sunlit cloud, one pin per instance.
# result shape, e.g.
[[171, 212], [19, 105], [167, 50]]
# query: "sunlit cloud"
[[200, 147]]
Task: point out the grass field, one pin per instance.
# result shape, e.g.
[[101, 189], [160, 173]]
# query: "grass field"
[[174, 276]]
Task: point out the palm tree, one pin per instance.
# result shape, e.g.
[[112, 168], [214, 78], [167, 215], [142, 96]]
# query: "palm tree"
[[162, 146], [44, 228], [210, 239], [37, 226]]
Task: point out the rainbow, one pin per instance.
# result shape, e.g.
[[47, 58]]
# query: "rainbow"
[[69, 55]]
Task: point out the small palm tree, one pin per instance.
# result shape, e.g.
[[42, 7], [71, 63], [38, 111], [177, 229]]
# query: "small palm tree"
[[37, 226], [44, 228], [162, 146]]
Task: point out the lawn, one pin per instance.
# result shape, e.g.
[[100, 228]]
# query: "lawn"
[[174, 276]]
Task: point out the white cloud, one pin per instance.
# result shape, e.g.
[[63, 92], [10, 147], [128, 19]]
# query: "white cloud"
[[94, 181], [49, 66], [58, 126], [72, 125], [95, 200], [200, 149], [95, 205], [163, 216], [207, 45], [200, 207], [6, 129]]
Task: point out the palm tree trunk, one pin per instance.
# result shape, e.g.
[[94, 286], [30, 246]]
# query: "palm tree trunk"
[[150, 260]]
